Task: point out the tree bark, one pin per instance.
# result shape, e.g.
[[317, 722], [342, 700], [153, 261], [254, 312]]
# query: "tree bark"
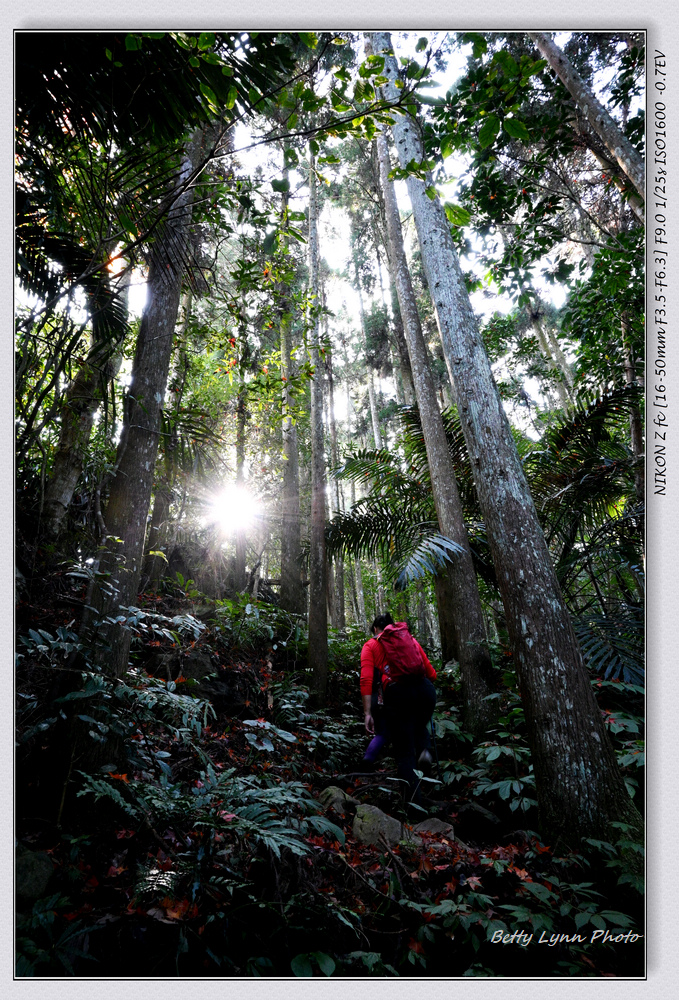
[[617, 144], [318, 618], [338, 612], [399, 348], [377, 436], [462, 591], [399, 335], [579, 786], [358, 573], [292, 596], [557, 365], [159, 528], [130, 493], [81, 401], [240, 574]]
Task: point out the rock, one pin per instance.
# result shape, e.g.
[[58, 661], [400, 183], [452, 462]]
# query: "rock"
[[198, 664], [33, 872], [337, 799], [435, 826], [203, 612], [195, 664], [371, 825]]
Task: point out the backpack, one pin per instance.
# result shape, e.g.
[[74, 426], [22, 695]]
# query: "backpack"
[[404, 658]]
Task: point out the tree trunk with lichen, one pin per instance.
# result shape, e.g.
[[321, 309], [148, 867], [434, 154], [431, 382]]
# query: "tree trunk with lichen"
[[292, 597], [120, 557], [159, 538], [457, 584], [82, 399], [616, 142], [318, 617], [338, 615], [579, 785]]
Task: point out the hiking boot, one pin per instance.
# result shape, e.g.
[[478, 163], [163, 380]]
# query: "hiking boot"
[[425, 761]]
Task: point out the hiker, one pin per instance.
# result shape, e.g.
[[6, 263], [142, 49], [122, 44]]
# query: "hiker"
[[409, 695]]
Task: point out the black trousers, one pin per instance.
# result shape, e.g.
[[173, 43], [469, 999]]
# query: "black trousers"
[[408, 706]]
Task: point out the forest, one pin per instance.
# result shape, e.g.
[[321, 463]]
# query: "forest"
[[313, 328]]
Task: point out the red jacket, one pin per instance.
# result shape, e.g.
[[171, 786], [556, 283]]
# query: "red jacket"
[[373, 657]]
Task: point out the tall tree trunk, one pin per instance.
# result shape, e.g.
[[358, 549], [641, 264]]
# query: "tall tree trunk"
[[159, 527], [618, 145], [447, 625], [358, 574], [81, 401], [422, 618], [130, 493], [292, 596], [338, 613], [465, 603], [402, 347], [398, 346], [318, 618], [377, 436], [535, 316], [579, 786], [381, 602], [240, 575]]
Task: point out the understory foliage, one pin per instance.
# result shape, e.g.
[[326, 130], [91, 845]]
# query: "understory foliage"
[[200, 845]]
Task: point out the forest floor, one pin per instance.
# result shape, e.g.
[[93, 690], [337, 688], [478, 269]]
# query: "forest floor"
[[198, 818]]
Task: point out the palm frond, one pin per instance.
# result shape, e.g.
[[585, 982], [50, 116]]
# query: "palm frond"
[[428, 558], [613, 647]]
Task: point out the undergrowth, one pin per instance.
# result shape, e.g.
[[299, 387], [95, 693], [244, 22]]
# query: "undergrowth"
[[187, 837]]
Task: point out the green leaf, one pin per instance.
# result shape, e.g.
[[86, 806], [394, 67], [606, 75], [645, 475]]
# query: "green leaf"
[[230, 99], [206, 40], [310, 39], [280, 185], [516, 129], [488, 131], [478, 41], [618, 919], [325, 963], [301, 966], [430, 192], [132, 43], [421, 44]]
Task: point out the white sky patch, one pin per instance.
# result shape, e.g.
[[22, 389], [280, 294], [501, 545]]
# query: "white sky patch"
[[136, 297]]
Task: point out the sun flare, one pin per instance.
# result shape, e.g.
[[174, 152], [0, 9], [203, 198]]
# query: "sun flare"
[[234, 509]]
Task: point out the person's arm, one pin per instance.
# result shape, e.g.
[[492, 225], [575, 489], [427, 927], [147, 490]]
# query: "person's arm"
[[367, 713], [367, 673]]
